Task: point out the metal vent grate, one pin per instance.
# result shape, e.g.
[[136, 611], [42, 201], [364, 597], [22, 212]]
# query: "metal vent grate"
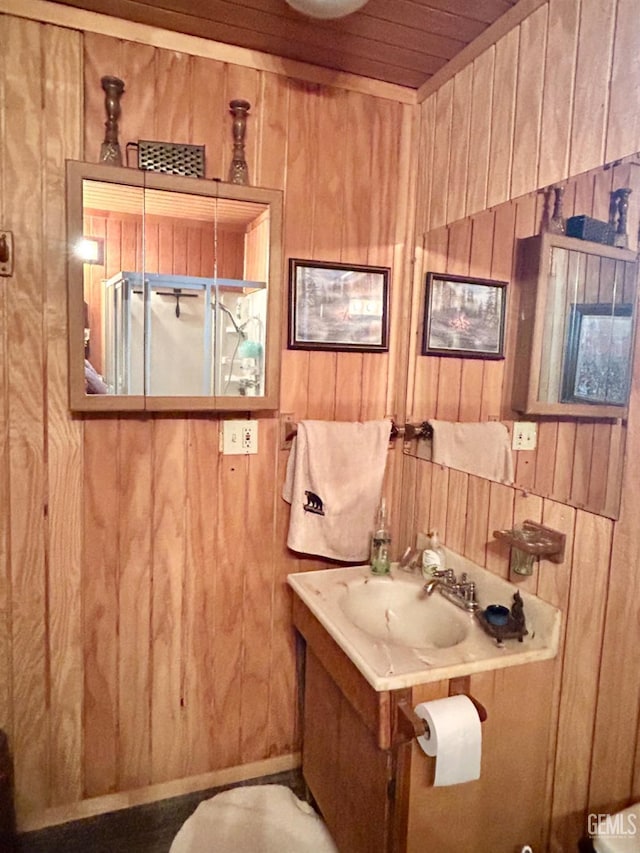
[[172, 158]]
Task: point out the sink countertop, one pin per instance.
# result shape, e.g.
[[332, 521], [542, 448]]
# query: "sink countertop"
[[391, 666]]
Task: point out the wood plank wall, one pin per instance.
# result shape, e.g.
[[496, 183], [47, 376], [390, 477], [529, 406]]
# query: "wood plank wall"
[[549, 100], [145, 629], [144, 626]]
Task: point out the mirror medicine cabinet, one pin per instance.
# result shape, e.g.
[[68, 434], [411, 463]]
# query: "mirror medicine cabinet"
[[576, 327], [178, 307]]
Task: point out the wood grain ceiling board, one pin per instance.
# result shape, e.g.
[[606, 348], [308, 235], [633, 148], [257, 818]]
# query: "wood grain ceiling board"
[[99, 196], [403, 42]]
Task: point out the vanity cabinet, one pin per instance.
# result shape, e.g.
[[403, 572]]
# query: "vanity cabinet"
[[575, 328], [375, 789]]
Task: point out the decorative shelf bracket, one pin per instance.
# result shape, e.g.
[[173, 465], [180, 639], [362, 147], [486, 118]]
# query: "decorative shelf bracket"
[[536, 540]]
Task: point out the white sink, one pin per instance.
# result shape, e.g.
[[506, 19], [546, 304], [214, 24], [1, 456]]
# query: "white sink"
[[393, 609], [398, 638]]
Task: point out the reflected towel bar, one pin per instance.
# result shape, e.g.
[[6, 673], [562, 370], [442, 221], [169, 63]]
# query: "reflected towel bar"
[[408, 432]]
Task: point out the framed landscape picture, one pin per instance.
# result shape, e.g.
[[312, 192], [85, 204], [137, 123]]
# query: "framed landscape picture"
[[464, 316], [341, 307]]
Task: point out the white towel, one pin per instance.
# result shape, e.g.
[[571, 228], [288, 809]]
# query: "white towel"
[[334, 484], [254, 819], [482, 449]]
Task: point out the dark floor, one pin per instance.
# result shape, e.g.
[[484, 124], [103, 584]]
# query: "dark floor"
[[143, 829]]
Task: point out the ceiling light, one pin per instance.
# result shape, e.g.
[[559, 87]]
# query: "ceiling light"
[[326, 8]]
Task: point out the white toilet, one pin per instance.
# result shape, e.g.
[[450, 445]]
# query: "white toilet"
[[618, 833], [254, 819]]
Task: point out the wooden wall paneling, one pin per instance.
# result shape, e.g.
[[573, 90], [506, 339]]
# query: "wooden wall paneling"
[[582, 467], [495, 386], [528, 112], [273, 131], [558, 93], [25, 375], [282, 730], [201, 569], [501, 499], [135, 578], [476, 532], [63, 96], [592, 92], [172, 75], [425, 393], [623, 129], [439, 501], [179, 245], [406, 525], [581, 665], [327, 200], [564, 460], [169, 485], [406, 267], [473, 369], [459, 155], [450, 372], [615, 776], [207, 125], [546, 457], [502, 118], [356, 228], [616, 469], [424, 173], [298, 230], [378, 377], [521, 693], [6, 674], [140, 104], [480, 131], [553, 586], [258, 595], [100, 501], [233, 564], [441, 155], [457, 510], [422, 513]]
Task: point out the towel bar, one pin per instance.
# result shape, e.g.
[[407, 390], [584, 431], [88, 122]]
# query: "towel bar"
[[289, 428]]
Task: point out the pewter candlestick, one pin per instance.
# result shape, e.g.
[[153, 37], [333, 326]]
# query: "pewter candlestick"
[[110, 150], [238, 171]]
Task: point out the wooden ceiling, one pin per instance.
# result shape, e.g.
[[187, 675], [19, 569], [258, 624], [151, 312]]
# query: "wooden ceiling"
[[398, 41]]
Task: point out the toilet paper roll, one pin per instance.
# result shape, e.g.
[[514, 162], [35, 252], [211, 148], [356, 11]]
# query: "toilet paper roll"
[[454, 738]]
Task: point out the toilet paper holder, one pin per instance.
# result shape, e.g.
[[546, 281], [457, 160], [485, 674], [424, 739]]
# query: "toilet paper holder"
[[409, 725]]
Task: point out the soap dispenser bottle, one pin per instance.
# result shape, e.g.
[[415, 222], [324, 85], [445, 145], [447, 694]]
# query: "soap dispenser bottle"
[[381, 542], [433, 555]]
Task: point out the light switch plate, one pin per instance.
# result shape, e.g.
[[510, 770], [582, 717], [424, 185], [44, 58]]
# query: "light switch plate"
[[525, 435], [239, 437]]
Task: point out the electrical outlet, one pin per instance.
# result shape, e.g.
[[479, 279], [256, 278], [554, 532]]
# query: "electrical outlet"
[[525, 435], [239, 437]]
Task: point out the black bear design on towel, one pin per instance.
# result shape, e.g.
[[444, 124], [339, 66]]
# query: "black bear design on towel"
[[313, 504]]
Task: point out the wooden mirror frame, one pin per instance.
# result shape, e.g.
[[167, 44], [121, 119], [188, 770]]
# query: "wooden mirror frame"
[[79, 401]]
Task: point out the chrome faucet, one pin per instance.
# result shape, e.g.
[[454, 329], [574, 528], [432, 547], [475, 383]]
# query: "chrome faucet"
[[461, 592]]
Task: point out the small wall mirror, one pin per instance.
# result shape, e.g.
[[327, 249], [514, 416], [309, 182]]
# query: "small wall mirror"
[[174, 292]]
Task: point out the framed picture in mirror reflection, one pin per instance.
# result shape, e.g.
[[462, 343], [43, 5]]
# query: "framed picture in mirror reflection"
[[464, 316], [597, 355]]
